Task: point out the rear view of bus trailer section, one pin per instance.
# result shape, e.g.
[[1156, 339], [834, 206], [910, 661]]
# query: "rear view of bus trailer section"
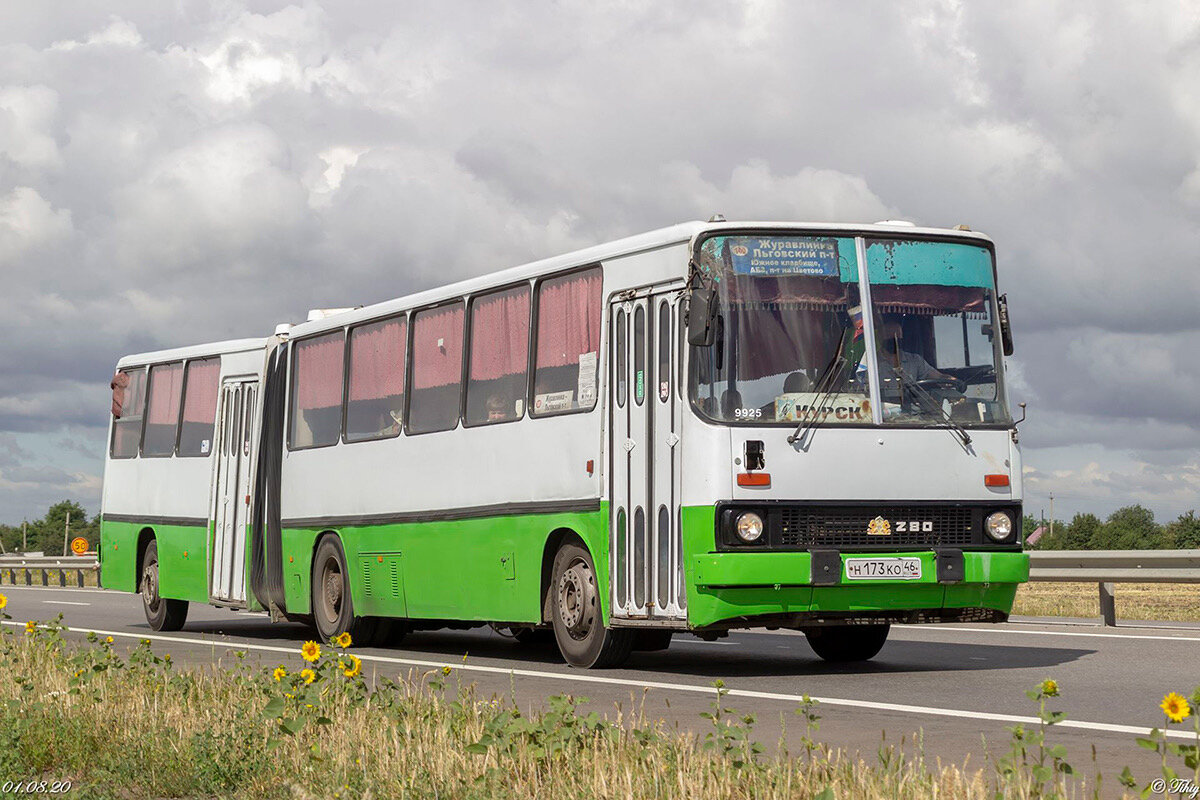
[[710, 426]]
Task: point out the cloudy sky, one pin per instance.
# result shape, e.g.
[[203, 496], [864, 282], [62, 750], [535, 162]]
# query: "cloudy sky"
[[172, 173]]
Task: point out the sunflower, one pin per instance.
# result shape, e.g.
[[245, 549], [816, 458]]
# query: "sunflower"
[[1175, 707], [353, 668], [308, 675], [30, 626], [342, 640], [311, 651], [280, 673], [108, 640], [3, 601], [1049, 688]]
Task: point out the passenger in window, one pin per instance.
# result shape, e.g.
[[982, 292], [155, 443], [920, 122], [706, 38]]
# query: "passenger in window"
[[496, 409]]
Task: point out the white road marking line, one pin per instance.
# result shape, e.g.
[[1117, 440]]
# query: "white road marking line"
[[999, 630], [7, 587], [582, 677], [65, 603]]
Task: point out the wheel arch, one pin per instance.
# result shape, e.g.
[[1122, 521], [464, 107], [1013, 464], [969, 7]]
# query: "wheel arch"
[[554, 540], [145, 536]]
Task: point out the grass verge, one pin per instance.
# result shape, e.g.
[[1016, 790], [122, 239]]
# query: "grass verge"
[[132, 725]]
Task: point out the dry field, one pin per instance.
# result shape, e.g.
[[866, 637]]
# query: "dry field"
[[1135, 601]]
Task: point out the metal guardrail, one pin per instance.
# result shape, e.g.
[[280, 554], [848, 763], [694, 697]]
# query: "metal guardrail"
[[16, 568], [1108, 567]]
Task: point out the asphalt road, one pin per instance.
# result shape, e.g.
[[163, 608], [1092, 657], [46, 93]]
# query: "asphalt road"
[[958, 685]]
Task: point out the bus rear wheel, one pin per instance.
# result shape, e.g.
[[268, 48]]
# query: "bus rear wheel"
[[575, 613], [843, 643], [162, 613], [332, 606]]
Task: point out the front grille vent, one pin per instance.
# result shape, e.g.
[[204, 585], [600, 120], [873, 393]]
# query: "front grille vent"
[[848, 526]]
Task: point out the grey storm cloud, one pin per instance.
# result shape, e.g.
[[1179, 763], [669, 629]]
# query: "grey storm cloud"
[[171, 174]]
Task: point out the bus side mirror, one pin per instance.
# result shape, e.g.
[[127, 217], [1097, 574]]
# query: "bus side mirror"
[[702, 312], [1006, 340]]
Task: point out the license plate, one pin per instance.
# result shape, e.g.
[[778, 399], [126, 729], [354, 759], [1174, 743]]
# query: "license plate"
[[902, 568]]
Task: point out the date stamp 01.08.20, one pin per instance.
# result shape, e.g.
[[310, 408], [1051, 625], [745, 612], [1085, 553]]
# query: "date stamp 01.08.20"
[[33, 787]]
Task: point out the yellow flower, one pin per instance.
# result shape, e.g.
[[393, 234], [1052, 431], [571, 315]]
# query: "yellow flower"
[[1175, 707], [280, 673], [445, 670], [354, 667], [342, 640], [108, 640], [311, 651], [289, 695], [308, 675], [29, 626], [1049, 688], [3, 601]]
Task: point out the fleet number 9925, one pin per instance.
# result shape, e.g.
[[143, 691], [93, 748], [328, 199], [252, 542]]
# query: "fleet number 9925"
[[35, 787]]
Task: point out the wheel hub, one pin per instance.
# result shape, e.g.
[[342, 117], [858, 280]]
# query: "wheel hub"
[[577, 599], [150, 585], [332, 592]]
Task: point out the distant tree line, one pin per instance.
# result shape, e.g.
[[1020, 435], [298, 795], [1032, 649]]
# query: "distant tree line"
[[1128, 528], [46, 534]]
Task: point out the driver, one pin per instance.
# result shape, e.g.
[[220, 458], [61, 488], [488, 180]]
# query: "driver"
[[892, 354]]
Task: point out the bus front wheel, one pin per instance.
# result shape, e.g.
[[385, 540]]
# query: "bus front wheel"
[[332, 606], [162, 613], [575, 610], [842, 643]]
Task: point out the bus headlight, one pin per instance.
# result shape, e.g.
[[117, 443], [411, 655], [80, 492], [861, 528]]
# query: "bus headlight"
[[998, 526], [749, 527]]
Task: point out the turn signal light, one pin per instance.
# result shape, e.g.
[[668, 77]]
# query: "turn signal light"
[[995, 480], [754, 479]]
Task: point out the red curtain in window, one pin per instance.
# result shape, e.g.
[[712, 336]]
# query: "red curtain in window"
[[568, 319], [319, 372], [435, 365], [377, 360], [500, 335], [200, 394], [166, 384]]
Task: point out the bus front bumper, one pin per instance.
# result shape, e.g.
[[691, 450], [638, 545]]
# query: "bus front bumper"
[[748, 589]]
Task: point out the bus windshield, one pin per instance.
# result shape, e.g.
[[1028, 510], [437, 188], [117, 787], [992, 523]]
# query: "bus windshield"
[[790, 343]]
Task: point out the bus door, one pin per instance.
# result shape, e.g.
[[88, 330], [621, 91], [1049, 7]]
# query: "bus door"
[[645, 457], [231, 500]]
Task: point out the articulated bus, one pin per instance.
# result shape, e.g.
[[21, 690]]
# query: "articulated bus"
[[711, 426]]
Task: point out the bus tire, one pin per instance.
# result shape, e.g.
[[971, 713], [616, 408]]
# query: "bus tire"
[[162, 613], [843, 643], [332, 605], [576, 616]]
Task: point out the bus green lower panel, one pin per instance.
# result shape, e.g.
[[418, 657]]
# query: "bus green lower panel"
[[729, 586], [182, 558], [474, 569]]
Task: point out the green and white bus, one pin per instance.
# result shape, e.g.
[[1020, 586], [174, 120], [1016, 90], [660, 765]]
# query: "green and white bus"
[[711, 426]]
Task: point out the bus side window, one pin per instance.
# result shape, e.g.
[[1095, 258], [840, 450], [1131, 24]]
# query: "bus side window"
[[568, 343], [316, 409], [437, 352], [200, 384], [375, 398], [129, 401], [499, 366], [162, 413]]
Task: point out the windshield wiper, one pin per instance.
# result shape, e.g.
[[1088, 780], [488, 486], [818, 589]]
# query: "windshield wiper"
[[824, 388], [930, 403]]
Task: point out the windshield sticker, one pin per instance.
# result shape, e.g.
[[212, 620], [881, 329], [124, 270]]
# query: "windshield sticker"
[[831, 408], [769, 257]]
